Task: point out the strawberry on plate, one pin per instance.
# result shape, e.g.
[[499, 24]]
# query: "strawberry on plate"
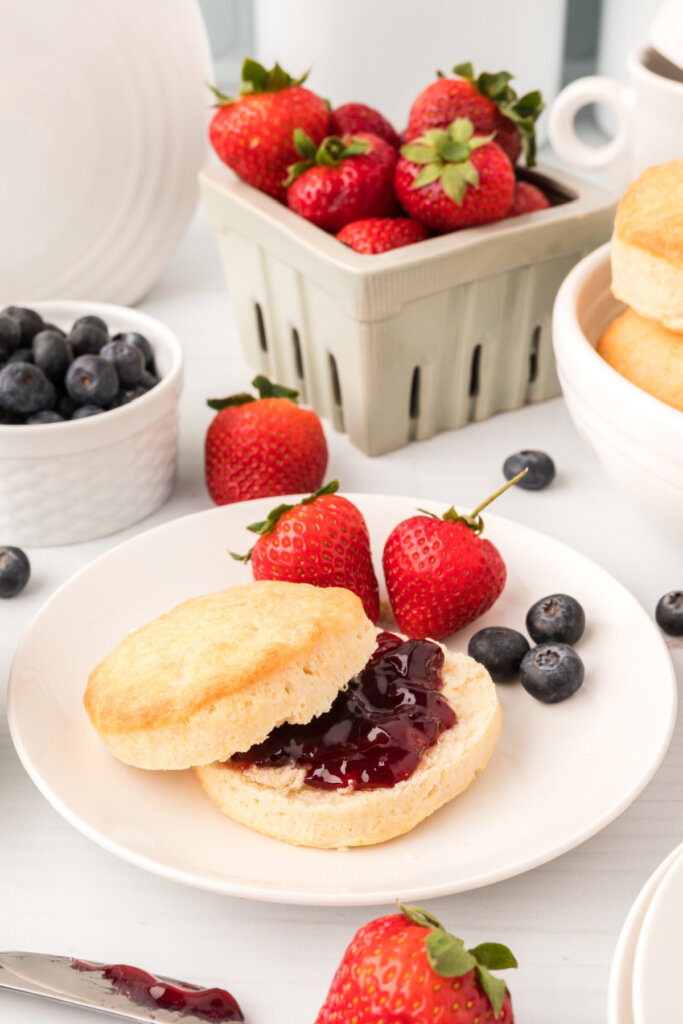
[[253, 133], [344, 179], [527, 198], [358, 117], [407, 969], [260, 447], [490, 103], [380, 234], [322, 540], [440, 573], [450, 178]]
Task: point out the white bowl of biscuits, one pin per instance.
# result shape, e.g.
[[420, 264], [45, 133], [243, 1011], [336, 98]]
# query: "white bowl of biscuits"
[[618, 337]]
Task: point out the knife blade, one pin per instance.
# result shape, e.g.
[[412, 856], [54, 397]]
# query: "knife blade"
[[118, 989]]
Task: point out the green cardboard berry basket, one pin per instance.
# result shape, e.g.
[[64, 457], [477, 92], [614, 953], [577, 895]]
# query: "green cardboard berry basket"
[[401, 345]]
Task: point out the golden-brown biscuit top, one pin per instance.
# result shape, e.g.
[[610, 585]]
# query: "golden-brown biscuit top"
[[650, 213], [217, 673]]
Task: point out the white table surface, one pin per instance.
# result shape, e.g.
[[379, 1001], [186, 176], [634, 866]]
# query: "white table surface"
[[61, 893]]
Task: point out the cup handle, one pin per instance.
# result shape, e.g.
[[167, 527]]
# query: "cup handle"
[[613, 156]]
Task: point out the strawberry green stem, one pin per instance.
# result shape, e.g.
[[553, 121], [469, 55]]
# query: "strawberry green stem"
[[269, 524], [500, 490]]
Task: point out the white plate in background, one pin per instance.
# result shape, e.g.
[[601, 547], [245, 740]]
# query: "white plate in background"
[[620, 991], [558, 775], [657, 960]]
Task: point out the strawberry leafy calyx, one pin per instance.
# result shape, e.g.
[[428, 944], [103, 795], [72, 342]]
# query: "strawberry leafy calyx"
[[444, 155], [265, 388], [447, 956], [330, 153], [523, 111], [258, 79], [268, 525], [473, 519]]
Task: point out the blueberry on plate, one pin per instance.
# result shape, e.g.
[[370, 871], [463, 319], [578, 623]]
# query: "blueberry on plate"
[[15, 570], [128, 361], [551, 672], [29, 321], [500, 650], [669, 613], [52, 353], [540, 469], [556, 617], [91, 321], [141, 342], [25, 388], [87, 340], [91, 380], [10, 336]]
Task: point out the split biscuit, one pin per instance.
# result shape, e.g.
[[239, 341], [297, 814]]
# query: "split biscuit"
[[216, 674], [277, 802]]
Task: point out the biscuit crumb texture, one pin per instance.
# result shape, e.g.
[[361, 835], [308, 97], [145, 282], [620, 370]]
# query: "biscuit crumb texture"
[[216, 674], [277, 802]]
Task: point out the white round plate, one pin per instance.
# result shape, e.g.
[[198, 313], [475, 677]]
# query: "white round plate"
[[657, 960], [559, 773], [620, 991]]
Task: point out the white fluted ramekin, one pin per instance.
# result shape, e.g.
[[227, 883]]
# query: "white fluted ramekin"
[[62, 483]]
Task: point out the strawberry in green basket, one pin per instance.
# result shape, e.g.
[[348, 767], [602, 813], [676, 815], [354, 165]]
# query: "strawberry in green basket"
[[379, 234], [490, 103], [451, 178], [253, 133], [407, 969], [257, 447], [343, 179]]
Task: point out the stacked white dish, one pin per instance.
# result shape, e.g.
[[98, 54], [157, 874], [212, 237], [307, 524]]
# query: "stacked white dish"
[[642, 988]]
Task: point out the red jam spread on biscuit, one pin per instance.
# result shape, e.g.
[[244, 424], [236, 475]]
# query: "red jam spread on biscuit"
[[376, 731], [143, 989]]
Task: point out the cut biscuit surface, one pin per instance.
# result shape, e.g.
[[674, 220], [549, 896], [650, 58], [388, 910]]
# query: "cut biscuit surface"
[[216, 674], [277, 802]]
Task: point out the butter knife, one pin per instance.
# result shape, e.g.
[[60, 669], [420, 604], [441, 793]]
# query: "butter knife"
[[128, 993]]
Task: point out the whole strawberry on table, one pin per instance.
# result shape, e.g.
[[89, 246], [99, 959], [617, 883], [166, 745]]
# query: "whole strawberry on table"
[[260, 446], [407, 969]]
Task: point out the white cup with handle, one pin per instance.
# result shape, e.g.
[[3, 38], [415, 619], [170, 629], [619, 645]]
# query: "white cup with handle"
[[649, 114]]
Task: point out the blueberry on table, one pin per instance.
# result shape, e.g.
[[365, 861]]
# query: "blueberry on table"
[[15, 570], [52, 353], [500, 650], [128, 361], [669, 613], [551, 672], [556, 617], [29, 321], [91, 380], [91, 321], [25, 388], [87, 340], [540, 469], [10, 336], [141, 342]]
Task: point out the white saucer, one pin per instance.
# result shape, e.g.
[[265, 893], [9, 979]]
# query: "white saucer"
[[657, 960], [558, 775]]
